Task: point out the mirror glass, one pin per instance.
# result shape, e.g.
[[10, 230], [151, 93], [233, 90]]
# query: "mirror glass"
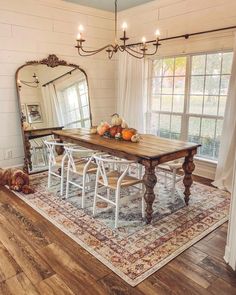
[[49, 99]]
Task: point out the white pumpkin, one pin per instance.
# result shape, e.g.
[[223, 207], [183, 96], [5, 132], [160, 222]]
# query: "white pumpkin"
[[135, 138], [116, 120], [124, 124]]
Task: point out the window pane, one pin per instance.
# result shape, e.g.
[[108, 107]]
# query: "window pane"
[[222, 104], [86, 112], [227, 63], [180, 66], [213, 63], [168, 67], [175, 127], [167, 85], [154, 123], [156, 103], [198, 64], [224, 85], [84, 100], [156, 86], [210, 105], [157, 68], [178, 103], [179, 85], [208, 128], [166, 103], [207, 148], [165, 125], [196, 103], [197, 85], [212, 85], [194, 129]]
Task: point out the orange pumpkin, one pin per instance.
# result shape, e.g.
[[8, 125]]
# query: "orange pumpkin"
[[127, 133], [102, 128]]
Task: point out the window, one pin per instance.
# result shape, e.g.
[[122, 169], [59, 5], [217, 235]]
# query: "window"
[[75, 105], [188, 98]]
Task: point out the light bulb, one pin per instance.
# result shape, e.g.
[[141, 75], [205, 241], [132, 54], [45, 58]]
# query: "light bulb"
[[81, 28], [144, 40], [124, 26], [157, 33]]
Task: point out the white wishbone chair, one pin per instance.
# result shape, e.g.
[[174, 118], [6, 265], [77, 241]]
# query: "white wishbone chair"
[[170, 171], [56, 162], [80, 163], [115, 180]]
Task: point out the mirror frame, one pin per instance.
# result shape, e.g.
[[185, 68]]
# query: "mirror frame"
[[51, 61]]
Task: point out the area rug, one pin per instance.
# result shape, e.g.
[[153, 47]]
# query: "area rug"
[[135, 250]]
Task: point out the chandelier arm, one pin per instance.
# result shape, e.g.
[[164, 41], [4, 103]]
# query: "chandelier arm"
[[132, 54], [134, 51], [150, 54], [92, 52], [122, 49]]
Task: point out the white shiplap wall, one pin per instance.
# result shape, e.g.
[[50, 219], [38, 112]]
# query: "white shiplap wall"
[[177, 17], [30, 30]]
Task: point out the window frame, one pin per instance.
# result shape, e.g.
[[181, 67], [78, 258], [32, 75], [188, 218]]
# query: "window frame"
[[185, 115]]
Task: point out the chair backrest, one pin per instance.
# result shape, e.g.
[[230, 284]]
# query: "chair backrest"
[[75, 154], [51, 147], [105, 161]]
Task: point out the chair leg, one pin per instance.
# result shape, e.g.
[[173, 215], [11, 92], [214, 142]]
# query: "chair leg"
[[173, 183], [49, 177], [108, 193], [95, 198], [62, 182], [67, 183], [83, 191], [143, 201], [165, 184], [117, 207]]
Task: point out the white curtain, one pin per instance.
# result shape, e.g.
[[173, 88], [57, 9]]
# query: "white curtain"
[[131, 90], [224, 172], [53, 112]]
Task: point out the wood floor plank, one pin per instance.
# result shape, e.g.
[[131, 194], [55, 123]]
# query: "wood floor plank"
[[179, 283], [18, 285], [53, 286], [115, 285], [74, 275], [97, 269], [220, 287], [193, 272], [193, 255], [8, 266], [30, 262], [153, 285], [24, 226], [219, 269]]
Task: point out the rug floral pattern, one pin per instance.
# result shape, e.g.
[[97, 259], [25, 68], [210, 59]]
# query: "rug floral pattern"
[[134, 250]]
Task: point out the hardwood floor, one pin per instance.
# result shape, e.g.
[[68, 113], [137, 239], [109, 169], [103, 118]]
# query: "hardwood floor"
[[37, 258]]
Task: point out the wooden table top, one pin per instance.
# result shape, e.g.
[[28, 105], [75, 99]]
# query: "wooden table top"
[[149, 147]]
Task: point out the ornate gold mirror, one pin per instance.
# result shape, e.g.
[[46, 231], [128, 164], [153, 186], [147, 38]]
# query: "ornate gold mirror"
[[53, 94]]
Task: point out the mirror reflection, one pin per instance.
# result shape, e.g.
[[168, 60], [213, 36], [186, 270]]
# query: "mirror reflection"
[[50, 99]]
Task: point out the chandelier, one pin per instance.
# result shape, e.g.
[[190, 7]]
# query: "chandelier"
[[33, 84], [140, 53]]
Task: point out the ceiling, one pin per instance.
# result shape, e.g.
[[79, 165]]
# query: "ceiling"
[[109, 4]]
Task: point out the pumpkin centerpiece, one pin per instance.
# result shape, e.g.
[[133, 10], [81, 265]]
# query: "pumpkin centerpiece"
[[128, 133], [102, 128], [118, 130]]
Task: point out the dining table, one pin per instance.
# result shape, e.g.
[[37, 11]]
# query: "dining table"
[[150, 152]]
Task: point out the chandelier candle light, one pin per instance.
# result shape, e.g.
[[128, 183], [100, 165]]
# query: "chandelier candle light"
[[114, 48]]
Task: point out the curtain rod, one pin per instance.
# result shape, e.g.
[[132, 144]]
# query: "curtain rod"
[[186, 36], [70, 72]]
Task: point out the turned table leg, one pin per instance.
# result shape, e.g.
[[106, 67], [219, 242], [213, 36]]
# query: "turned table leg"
[[27, 159], [188, 167], [150, 181]]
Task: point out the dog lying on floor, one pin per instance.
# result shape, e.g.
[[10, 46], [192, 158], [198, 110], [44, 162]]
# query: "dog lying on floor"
[[17, 180]]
